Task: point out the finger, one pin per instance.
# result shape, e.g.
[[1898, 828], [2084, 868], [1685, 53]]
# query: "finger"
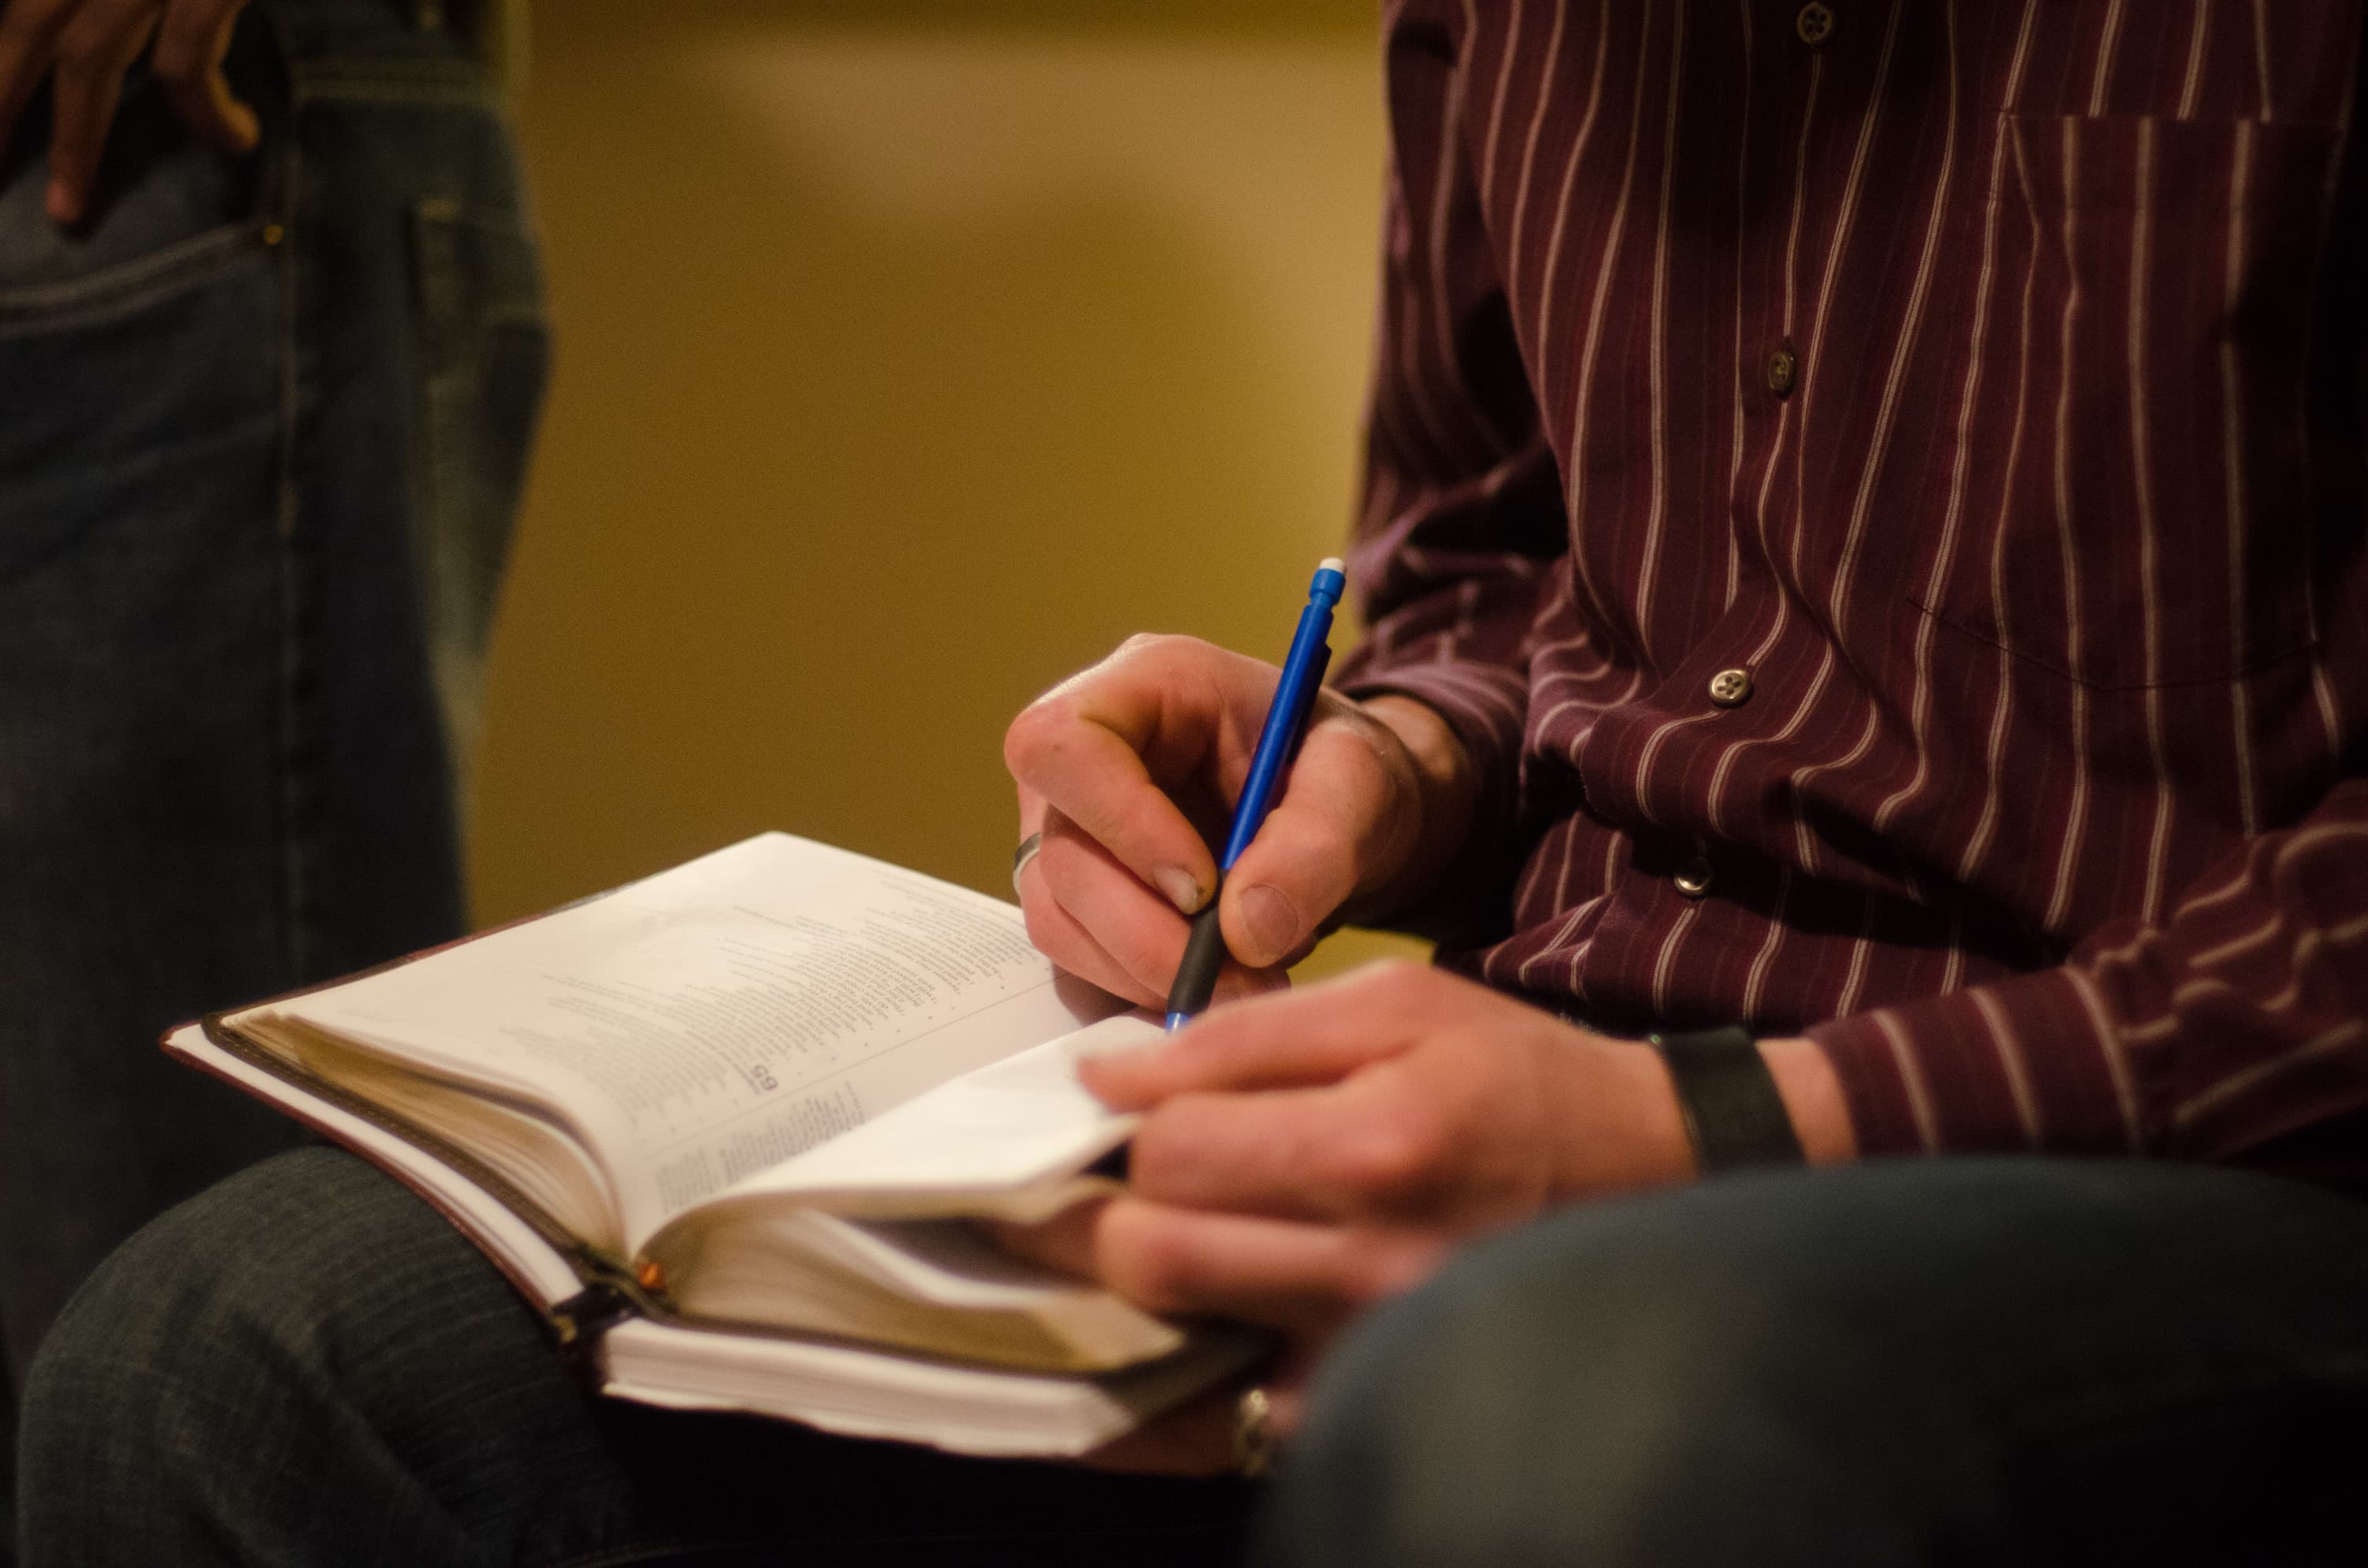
[[1306, 1279], [1139, 930], [1347, 818], [28, 38], [93, 54], [1031, 811], [1312, 1034], [1197, 1437], [1065, 1242], [1107, 747], [1372, 1145], [1319, 1156], [1082, 1240], [1272, 1154], [190, 45], [1059, 936]]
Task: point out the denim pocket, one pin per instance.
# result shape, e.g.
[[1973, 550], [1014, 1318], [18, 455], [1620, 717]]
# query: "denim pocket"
[[169, 211], [139, 581], [135, 351], [485, 352]]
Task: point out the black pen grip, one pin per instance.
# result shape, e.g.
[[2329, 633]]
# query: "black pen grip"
[[1204, 955]]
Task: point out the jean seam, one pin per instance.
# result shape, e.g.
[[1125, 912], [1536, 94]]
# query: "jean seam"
[[286, 194], [133, 285], [425, 82]]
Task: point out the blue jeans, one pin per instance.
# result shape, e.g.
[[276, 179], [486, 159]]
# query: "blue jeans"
[[2008, 1362], [2005, 1361], [262, 427]]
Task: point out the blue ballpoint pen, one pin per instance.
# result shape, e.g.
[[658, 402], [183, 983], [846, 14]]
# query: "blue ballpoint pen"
[[1286, 720]]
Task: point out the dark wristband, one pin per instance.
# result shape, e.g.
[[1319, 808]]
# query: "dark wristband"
[[1734, 1114]]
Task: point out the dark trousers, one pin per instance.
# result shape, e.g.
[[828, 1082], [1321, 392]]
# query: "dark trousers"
[[2006, 1361], [1999, 1361], [306, 1364], [263, 422]]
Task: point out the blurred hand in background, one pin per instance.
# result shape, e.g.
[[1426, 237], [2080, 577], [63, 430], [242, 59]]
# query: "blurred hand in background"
[[86, 47]]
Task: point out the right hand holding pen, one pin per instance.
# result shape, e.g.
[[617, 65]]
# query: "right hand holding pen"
[[1128, 768]]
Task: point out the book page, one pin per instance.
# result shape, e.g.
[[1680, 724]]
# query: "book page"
[[530, 1262], [869, 1393], [715, 1019], [1004, 1142]]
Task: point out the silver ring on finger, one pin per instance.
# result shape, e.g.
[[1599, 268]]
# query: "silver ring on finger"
[[1021, 855], [1254, 1442]]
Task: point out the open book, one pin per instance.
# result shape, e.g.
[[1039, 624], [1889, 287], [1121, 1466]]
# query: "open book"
[[731, 1129]]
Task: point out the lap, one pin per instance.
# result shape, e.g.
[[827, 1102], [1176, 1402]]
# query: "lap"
[[306, 1363], [2008, 1360], [2002, 1360]]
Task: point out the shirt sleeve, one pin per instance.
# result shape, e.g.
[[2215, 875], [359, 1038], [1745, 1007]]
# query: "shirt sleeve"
[[2241, 1019], [1461, 527]]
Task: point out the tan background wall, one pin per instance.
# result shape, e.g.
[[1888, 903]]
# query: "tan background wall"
[[910, 355]]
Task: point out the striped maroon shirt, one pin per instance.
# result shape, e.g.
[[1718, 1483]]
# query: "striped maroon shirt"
[[1882, 502]]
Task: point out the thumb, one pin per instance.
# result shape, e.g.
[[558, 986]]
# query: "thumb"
[[191, 44], [1348, 820]]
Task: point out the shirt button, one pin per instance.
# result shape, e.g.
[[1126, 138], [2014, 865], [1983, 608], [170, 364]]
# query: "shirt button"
[[1693, 878], [1731, 689], [1782, 366], [1815, 23]]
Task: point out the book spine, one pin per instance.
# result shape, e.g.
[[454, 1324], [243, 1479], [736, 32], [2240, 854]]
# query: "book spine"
[[580, 1321]]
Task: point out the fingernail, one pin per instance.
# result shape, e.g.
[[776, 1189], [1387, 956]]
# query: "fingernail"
[[1182, 891], [1104, 1072], [1272, 924], [60, 204], [1117, 1055]]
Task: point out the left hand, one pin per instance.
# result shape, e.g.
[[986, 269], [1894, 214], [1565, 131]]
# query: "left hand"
[[1305, 1154]]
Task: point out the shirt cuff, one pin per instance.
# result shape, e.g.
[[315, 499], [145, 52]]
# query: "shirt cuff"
[[2032, 1062], [1486, 705]]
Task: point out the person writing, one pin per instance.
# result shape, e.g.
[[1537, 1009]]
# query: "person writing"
[[1878, 586], [1861, 549]]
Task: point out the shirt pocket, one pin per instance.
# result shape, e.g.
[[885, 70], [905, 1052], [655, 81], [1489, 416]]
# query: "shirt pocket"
[[2146, 461]]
